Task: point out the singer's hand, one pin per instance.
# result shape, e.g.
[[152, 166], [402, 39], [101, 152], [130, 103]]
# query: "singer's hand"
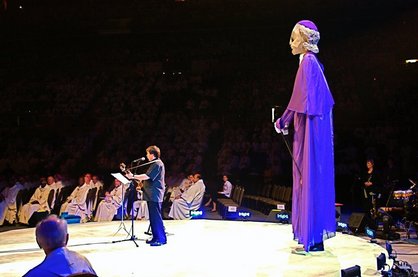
[[129, 175]]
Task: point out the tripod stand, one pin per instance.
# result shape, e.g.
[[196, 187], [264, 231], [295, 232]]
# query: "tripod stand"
[[130, 234]]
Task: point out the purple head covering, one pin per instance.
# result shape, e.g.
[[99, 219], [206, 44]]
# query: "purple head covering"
[[308, 24]]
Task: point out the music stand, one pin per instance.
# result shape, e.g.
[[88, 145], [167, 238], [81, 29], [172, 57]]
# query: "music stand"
[[130, 233]]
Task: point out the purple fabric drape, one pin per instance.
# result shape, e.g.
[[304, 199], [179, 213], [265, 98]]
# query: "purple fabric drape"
[[310, 108]]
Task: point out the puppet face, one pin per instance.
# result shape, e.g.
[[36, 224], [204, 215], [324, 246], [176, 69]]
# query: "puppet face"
[[296, 42]]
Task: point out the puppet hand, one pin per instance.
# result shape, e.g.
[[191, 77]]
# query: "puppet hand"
[[277, 126]]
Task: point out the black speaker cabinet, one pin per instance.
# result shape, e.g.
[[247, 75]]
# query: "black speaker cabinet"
[[356, 221]]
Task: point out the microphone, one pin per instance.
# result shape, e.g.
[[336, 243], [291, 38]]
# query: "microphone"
[[139, 160], [273, 114]]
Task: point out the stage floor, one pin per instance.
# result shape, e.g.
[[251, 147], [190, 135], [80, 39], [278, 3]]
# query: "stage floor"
[[195, 248]]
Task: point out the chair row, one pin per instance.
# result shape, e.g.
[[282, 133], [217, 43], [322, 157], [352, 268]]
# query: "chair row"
[[229, 206], [270, 197], [55, 200]]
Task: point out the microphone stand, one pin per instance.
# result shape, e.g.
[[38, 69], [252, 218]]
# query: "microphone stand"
[[131, 234]]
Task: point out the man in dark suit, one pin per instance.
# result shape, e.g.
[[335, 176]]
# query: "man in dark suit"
[[154, 187]]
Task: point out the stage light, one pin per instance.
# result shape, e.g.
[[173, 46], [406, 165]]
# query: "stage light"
[[381, 261], [244, 214], [354, 271], [283, 217], [196, 213], [411, 61], [371, 234], [342, 227]]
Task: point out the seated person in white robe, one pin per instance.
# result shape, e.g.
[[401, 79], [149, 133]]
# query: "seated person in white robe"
[[8, 207], [37, 203], [184, 185], [52, 236], [76, 202], [109, 206], [140, 206], [190, 200], [98, 184], [55, 186]]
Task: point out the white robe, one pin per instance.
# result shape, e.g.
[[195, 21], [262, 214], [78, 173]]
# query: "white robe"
[[188, 201], [56, 186], [108, 207], [27, 210], [140, 208], [76, 202], [8, 207]]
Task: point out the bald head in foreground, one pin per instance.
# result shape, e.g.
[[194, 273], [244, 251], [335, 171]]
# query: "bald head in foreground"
[[52, 237]]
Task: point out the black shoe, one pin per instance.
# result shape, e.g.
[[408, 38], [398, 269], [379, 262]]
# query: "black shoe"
[[157, 243], [317, 247], [149, 241]]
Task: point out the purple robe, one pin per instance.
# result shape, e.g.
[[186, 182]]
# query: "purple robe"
[[313, 201]]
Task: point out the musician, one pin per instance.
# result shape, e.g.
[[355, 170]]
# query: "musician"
[[154, 187], [371, 189]]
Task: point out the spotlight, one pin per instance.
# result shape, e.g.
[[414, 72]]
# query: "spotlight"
[[196, 213], [353, 271], [283, 217], [244, 214], [371, 234], [342, 227]]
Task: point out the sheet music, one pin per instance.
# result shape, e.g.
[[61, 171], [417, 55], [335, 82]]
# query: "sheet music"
[[121, 178]]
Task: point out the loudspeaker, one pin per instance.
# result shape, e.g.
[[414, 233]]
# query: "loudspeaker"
[[354, 271], [356, 221]]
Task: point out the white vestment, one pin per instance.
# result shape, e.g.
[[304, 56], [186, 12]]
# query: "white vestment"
[[109, 206], [56, 186], [8, 205], [41, 196], [76, 202], [188, 201], [140, 208]]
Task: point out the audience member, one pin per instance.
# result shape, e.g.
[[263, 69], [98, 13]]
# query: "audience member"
[[225, 193], [52, 236], [8, 202], [76, 202], [190, 200], [37, 203], [109, 206]]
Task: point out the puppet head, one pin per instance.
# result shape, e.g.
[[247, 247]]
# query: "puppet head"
[[304, 38]]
